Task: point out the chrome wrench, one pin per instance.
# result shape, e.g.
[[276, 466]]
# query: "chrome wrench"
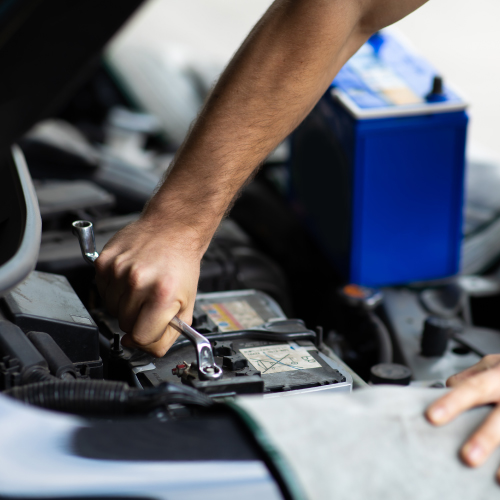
[[207, 368]]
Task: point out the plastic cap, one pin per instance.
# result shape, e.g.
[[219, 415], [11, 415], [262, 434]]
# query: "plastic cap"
[[390, 373], [435, 336]]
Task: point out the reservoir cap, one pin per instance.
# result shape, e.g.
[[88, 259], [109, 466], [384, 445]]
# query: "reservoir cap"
[[390, 373]]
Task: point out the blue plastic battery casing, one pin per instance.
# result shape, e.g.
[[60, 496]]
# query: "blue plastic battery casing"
[[377, 168]]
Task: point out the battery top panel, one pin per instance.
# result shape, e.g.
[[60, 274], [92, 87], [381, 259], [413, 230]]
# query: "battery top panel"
[[237, 310], [386, 78]]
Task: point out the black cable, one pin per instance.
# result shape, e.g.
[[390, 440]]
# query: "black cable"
[[104, 397], [385, 351], [250, 335]]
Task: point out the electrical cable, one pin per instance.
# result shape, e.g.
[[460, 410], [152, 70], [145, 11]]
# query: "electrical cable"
[[251, 335]]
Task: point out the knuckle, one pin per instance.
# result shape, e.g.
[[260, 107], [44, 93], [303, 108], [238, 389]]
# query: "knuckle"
[[136, 277], [117, 266], [476, 384], [158, 352], [141, 342], [483, 387], [163, 291], [491, 360]]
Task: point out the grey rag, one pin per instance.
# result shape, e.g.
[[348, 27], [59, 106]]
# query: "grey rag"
[[374, 444]]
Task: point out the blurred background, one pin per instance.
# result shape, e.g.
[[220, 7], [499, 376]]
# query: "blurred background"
[[458, 36]]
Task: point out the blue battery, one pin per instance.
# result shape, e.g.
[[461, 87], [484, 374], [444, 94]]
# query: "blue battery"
[[377, 168]]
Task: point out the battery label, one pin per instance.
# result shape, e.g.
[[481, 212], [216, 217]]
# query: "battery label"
[[279, 358], [381, 78], [234, 315]]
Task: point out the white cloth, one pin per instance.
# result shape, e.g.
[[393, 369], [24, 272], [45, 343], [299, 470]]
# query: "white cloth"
[[37, 460]]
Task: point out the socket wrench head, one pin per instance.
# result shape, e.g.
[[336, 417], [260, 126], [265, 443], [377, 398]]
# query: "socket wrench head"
[[84, 230]]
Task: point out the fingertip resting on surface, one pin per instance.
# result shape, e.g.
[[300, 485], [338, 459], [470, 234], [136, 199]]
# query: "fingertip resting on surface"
[[472, 454], [436, 414]]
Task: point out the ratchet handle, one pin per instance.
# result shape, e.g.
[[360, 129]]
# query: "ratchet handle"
[[207, 369]]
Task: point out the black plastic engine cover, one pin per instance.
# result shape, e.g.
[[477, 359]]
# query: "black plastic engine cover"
[[47, 303]]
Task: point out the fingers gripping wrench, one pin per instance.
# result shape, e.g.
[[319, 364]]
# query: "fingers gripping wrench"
[[207, 369]]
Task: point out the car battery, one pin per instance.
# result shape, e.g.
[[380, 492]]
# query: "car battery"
[[259, 349], [377, 168]]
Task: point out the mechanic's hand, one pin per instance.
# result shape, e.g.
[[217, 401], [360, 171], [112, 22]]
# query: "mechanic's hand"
[[478, 385], [147, 274]]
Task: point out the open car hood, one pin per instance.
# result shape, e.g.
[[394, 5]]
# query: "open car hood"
[[47, 47]]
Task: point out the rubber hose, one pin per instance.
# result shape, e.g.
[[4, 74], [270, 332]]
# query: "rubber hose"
[[384, 341], [76, 396], [38, 374], [103, 397]]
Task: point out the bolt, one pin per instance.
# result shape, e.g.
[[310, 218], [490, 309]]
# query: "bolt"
[[116, 348], [179, 369]]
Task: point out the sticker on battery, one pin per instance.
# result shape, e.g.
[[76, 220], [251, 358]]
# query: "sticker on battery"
[[279, 358], [382, 79], [234, 315]]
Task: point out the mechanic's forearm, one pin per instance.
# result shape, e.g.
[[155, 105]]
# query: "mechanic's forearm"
[[272, 83]]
